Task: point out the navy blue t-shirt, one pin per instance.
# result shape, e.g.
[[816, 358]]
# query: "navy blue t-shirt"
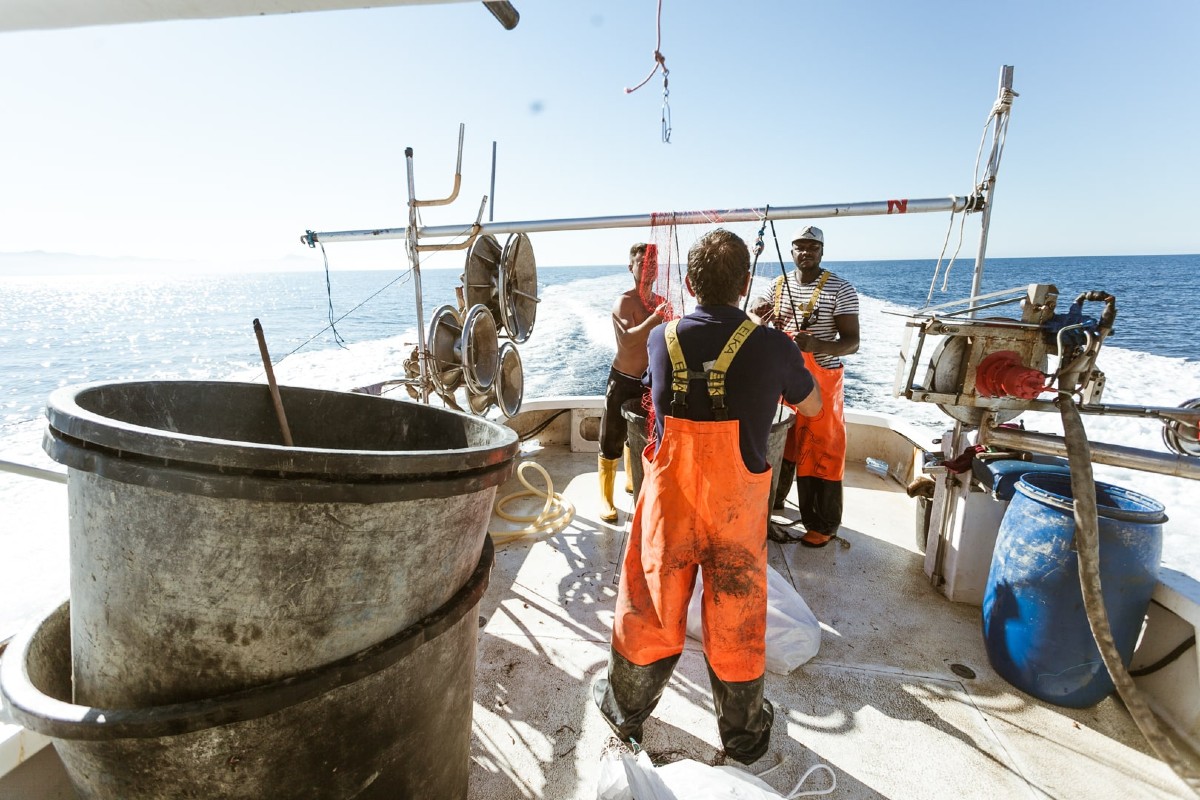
[[768, 366]]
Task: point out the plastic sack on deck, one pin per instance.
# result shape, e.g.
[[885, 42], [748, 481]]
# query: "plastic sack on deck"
[[793, 633], [623, 777]]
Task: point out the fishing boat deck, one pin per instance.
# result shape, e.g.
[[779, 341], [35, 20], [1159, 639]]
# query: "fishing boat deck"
[[884, 703]]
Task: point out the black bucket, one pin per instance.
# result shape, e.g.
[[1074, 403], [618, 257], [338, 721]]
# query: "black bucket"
[[207, 557], [390, 721]]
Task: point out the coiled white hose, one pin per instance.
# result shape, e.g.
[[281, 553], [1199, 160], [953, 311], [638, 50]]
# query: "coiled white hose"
[[557, 512]]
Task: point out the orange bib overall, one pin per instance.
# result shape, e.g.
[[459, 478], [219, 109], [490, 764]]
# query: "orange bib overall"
[[699, 507], [817, 445]]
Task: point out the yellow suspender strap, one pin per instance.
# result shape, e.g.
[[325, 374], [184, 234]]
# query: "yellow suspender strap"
[[812, 298], [716, 376], [679, 370]]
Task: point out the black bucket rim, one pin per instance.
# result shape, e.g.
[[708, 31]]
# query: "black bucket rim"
[[78, 426], [1153, 512], [59, 719]]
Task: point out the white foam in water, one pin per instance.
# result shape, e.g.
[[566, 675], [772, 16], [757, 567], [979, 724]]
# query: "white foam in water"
[[570, 353]]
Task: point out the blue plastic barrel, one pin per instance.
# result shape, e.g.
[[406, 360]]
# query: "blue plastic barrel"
[[1035, 627]]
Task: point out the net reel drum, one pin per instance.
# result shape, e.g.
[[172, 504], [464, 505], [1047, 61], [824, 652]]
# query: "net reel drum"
[[518, 288], [508, 390], [503, 280], [480, 350], [463, 350], [445, 349], [481, 274]]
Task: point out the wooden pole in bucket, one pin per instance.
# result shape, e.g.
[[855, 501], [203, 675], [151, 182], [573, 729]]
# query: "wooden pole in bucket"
[[266, 359]]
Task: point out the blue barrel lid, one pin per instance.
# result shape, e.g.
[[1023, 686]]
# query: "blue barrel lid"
[[1001, 474], [1112, 502]]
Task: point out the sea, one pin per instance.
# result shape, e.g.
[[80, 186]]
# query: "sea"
[[71, 329]]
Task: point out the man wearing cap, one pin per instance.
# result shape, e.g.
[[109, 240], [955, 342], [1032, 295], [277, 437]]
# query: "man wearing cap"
[[820, 311]]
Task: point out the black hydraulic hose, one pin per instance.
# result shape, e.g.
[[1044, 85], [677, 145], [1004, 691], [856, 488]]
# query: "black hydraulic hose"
[[1167, 660], [1087, 543]]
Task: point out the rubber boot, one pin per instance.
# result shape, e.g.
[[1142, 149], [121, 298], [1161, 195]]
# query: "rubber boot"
[[783, 484], [744, 716], [629, 693], [628, 473], [608, 476]]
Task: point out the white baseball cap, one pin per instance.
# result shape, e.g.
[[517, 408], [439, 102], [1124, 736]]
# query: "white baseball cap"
[[810, 232]]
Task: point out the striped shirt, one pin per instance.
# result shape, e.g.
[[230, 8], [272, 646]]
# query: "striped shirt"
[[792, 308]]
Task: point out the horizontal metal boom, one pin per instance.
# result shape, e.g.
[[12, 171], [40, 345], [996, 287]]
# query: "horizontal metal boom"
[[1113, 454], [713, 217]]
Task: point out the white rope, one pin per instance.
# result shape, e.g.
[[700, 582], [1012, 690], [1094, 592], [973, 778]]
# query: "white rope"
[[815, 792], [962, 224], [1000, 113], [781, 760], [938, 266]]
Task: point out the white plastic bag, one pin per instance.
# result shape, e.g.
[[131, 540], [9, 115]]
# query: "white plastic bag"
[[623, 777], [793, 633]]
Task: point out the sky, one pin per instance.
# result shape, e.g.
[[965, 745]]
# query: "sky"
[[217, 143]]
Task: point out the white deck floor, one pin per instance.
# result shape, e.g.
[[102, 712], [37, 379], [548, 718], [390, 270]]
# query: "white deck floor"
[[879, 704]]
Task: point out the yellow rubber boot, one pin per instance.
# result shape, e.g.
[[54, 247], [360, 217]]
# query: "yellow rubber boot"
[[628, 474], [608, 477]]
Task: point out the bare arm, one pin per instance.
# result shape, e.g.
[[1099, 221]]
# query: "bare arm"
[[811, 405], [761, 311], [846, 343], [630, 332]]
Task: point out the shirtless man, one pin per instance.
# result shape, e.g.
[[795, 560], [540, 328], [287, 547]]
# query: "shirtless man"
[[635, 313]]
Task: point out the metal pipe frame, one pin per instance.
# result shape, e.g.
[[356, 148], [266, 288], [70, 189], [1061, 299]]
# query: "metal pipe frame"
[[414, 261], [824, 211], [30, 471], [1112, 454], [445, 201], [989, 181]]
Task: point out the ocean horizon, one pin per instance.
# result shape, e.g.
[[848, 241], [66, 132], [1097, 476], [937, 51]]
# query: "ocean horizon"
[[64, 330], [41, 263]]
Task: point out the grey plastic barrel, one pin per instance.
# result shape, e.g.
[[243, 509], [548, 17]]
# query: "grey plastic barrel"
[[207, 557], [637, 439], [391, 721]]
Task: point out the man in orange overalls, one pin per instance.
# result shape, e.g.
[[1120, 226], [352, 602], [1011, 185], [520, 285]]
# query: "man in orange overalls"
[[716, 379], [820, 310]]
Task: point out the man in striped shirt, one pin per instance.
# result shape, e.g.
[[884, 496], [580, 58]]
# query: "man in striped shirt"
[[820, 311]]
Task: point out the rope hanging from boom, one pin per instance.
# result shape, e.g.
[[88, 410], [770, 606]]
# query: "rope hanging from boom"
[[660, 62], [757, 251], [999, 114]]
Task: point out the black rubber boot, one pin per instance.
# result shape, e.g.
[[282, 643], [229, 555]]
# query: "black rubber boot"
[[744, 717], [783, 484], [628, 696]]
